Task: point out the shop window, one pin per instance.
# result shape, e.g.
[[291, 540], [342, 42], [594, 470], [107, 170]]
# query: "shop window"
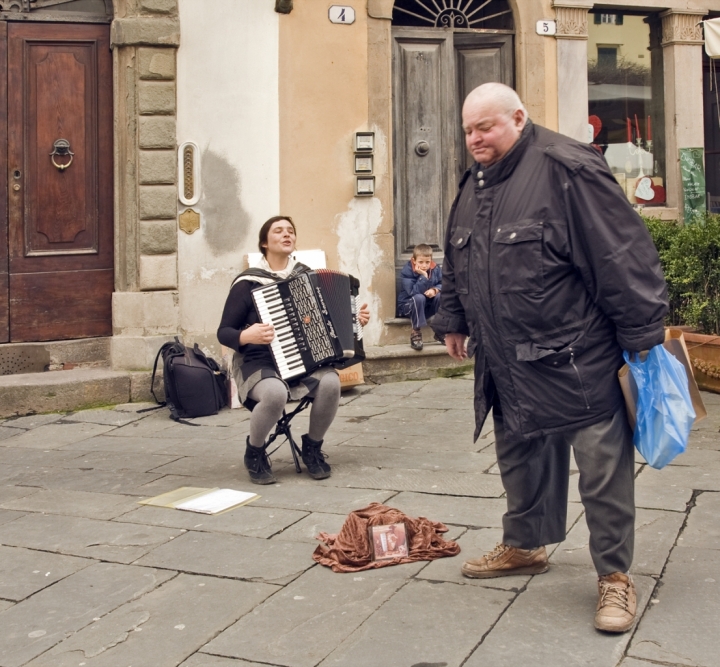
[[625, 98]]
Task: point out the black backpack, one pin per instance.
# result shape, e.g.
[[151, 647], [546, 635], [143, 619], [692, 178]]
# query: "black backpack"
[[194, 383]]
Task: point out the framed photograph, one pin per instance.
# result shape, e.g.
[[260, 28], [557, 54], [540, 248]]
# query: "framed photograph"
[[388, 542], [364, 142], [363, 164], [364, 186]]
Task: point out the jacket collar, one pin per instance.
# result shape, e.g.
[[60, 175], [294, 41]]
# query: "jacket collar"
[[485, 177]]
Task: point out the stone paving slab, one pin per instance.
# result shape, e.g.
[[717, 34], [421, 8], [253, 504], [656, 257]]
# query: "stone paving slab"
[[246, 520], [6, 432], [160, 629], [31, 627], [24, 572], [138, 461], [22, 456], [305, 621], [471, 512], [229, 448], [441, 482], [655, 535], [402, 632], [5, 604], [55, 436], [126, 482], [312, 525], [108, 416], [407, 440], [204, 660], [446, 436], [660, 489], [709, 459], [9, 493], [551, 623], [407, 459], [74, 503], [311, 499], [685, 477], [6, 516], [703, 527], [217, 465], [232, 556], [32, 421], [682, 628], [89, 538], [126, 444]]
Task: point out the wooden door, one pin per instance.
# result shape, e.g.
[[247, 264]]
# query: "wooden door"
[[60, 236], [433, 70]]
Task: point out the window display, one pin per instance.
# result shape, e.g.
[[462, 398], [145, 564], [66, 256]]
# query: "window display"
[[625, 103]]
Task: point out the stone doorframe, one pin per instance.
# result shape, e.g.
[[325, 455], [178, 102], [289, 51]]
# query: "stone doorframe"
[[535, 72], [145, 36]]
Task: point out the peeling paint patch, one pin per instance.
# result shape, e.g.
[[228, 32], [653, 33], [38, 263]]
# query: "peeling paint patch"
[[226, 223], [360, 255]]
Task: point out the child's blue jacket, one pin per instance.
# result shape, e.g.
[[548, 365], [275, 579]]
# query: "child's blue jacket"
[[412, 283]]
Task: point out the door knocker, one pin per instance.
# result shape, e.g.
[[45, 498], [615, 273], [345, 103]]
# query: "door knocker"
[[61, 147]]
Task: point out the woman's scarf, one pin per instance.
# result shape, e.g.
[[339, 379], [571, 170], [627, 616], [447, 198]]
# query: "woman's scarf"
[[263, 274]]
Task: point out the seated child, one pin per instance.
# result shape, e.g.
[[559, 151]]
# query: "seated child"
[[419, 296]]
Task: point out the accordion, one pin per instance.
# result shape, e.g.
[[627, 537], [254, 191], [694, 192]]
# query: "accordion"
[[314, 314]]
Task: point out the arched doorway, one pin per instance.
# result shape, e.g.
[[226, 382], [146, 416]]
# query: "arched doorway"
[[56, 206], [441, 51]]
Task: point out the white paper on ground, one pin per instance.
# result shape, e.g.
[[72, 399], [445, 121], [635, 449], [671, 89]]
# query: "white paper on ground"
[[217, 501]]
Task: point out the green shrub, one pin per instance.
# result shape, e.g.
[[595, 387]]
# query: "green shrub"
[[690, 257]]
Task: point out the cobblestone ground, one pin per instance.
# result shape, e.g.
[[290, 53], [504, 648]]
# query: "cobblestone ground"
[[90, 578]]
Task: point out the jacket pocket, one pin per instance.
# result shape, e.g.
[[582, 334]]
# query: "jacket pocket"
[[460, 242], [518, 260]]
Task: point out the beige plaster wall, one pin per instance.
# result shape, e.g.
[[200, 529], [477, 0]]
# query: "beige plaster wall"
[[535, 61], [323, 101]]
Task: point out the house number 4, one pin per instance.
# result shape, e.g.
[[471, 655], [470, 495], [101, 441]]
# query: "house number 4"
[[341, 14]]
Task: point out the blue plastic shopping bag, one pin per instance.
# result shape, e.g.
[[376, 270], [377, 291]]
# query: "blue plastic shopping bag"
[[665, 412]]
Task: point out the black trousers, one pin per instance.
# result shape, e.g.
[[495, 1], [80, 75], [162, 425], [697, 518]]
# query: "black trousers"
[[535, 474]]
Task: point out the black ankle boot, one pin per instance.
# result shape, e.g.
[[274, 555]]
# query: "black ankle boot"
[[258, 465], [314, 459]]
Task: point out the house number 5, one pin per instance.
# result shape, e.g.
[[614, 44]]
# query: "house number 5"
[[341, 14]]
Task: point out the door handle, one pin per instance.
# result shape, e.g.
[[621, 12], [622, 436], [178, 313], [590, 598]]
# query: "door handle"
[[61, 147], [422, 148]]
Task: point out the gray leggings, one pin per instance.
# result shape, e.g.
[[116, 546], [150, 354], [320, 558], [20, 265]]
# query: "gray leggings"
[[271, 396]]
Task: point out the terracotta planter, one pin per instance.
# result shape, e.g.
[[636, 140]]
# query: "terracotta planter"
[[704, 354]]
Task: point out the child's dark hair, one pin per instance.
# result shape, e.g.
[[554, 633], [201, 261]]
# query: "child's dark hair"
[[422, 250], [265, 230]]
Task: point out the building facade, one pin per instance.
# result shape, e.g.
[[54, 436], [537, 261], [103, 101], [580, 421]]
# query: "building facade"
[[148, 140]]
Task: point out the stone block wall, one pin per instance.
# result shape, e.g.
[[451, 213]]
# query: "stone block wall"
[[145, 38]]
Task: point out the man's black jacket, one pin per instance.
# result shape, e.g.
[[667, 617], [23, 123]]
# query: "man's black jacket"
[[552, 274]]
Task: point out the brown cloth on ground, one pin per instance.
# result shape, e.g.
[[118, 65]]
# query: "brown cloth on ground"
[[350, 550]]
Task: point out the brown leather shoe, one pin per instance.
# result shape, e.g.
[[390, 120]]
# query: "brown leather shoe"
[[617, 603], [505, 560]]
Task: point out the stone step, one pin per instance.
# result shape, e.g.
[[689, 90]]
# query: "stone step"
[[398, 330], [81, 388], [395, 363], [54, 355], [61, 391]]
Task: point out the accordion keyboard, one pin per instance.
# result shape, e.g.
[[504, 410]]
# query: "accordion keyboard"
[[284, 346]]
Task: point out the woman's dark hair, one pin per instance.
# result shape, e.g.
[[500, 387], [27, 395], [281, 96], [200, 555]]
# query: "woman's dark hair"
[[265, 230]]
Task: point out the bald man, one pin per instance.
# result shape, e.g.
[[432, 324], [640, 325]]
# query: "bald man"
[[549, 274]]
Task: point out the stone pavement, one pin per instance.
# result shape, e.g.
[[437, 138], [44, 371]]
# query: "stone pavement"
[[89, 578]]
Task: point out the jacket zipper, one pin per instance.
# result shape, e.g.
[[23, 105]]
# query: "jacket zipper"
[[577, 372]]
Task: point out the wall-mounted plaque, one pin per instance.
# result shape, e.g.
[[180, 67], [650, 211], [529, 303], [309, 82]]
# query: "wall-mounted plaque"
[[364, 186], [189, 221], [341, 14], [363, 164], [364, 142]]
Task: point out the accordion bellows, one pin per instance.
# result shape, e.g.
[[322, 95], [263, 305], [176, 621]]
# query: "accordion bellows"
[[315, 319]]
